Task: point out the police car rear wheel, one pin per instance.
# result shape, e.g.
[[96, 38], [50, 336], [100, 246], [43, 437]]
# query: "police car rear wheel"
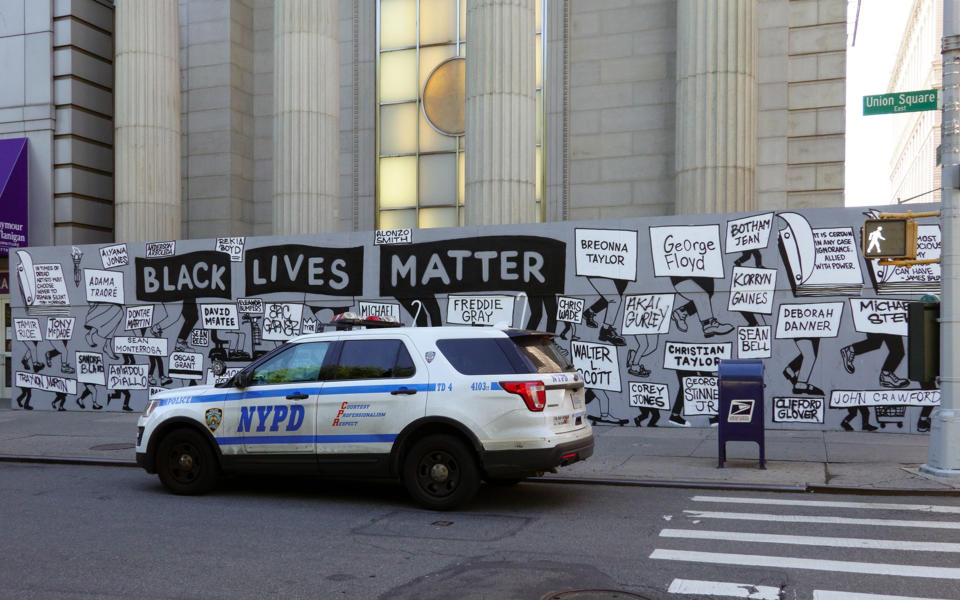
[[440, 472], [185, 463]]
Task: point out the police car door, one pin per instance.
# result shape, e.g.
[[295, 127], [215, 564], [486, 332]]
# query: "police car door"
[[378, 387], [278, 410]]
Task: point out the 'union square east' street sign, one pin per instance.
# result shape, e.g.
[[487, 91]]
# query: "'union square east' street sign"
[[898, 102]]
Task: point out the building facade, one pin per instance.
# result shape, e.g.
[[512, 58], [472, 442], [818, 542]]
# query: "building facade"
[[205, 118]]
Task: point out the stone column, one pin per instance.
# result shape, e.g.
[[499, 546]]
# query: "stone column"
[[306, 117], [716, 106], [500, 112], [147, 121]]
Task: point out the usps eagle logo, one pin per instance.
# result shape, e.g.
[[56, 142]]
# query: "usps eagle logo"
[[213, 417]]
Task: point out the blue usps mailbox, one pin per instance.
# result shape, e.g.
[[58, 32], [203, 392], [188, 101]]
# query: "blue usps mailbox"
[[741, 405]]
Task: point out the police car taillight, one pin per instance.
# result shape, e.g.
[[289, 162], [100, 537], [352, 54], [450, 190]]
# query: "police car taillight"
[[532, 392]]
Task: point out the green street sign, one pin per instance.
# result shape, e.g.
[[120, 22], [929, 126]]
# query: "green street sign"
[[900, 102]]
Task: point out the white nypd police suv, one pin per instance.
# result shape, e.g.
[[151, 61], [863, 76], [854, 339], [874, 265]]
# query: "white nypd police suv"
[[440, 408]]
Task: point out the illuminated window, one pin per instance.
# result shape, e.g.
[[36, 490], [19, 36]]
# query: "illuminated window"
[[420, 166]]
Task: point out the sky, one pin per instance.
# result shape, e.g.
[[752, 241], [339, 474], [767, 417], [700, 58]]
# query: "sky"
[[869, 140]]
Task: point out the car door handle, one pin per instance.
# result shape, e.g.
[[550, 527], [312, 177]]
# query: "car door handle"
[[404, 391], [297, 396]]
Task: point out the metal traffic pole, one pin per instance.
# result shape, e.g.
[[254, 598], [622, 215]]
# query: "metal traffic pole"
[[943, 456]]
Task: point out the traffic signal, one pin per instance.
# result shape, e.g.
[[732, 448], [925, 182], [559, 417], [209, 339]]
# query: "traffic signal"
[[923, 341], [890, 238]]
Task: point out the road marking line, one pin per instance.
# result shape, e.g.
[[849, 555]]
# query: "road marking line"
[[809, 540], [812, 564], [817, 519], [932, 508], [831, 595], [721, 588]]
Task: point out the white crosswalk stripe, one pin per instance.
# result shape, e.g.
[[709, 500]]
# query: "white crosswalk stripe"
[[724, 589], [845, 561]]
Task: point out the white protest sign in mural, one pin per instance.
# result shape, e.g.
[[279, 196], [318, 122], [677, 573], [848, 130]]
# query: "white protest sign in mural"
[[27, 330], [281, 320], [219, 316], [597, 364], [90, 368], [749, 233], [751, 290], [878, 315], [160, 249], [809, 320], [701, 396], [798, 410], [200, 337], [51, 287], [142, 346], [103, 286], [820, 262], [60, 328], [916, 279], [570, 310], [647, 314], [186, 365], [138, 317], [686, 251], [216, 380], [127, 377], [47, 383], [855, 398], [385, 310], [609, 253], [392, 236], [232, 246], [681, 356], [645, 394], [114, 256], [250, 305], [480, 310], [754, 342]]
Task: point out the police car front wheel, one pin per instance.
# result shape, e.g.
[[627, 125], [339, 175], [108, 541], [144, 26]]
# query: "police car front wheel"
[[185, 463], [440, 472]]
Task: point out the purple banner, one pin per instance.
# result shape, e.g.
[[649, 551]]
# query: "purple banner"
[[13, 194]]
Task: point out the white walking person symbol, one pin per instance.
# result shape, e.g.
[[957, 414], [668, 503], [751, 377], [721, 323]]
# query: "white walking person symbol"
[[875, 236]]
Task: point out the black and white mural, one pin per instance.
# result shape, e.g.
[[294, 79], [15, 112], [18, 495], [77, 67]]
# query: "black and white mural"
[[645, 309]]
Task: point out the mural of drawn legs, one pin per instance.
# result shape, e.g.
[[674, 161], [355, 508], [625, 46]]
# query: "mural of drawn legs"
[[31, 357], [698, 291], [89, 389], [156, 364], [190, 316], [747, 255], [864, 419], [540, 306], [799, 369], [635, 355], [65, 367], [611, 292], [923, 421], [873, 341], [127, 360], [101, 321], [23, 400], [603, 404]]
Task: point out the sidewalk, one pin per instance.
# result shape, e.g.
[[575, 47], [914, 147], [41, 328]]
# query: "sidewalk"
[[796, 460]]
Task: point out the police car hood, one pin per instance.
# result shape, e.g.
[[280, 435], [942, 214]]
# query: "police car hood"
[[196, 390]]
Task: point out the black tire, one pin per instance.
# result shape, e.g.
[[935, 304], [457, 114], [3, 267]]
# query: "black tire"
[[440, 472], [186, 463]]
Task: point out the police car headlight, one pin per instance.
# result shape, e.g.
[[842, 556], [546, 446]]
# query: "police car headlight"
[[150, 406]]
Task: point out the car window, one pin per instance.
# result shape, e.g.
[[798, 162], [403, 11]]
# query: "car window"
[[543, 355], [374, 359], [299, 362], [479, 356]]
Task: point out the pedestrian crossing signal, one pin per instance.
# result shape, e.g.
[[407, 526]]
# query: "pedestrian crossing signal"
[[890, 238]]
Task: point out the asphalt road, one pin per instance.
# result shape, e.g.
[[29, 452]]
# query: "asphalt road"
[[72, 532]]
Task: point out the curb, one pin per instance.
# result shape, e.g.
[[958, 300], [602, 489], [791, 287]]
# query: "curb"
[[697, 485]]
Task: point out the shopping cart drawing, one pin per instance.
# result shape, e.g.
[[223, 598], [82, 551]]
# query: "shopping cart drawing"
[[892, 414]]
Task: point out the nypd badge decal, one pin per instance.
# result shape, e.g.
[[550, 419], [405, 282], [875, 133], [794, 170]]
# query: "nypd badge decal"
[[213, 417]]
